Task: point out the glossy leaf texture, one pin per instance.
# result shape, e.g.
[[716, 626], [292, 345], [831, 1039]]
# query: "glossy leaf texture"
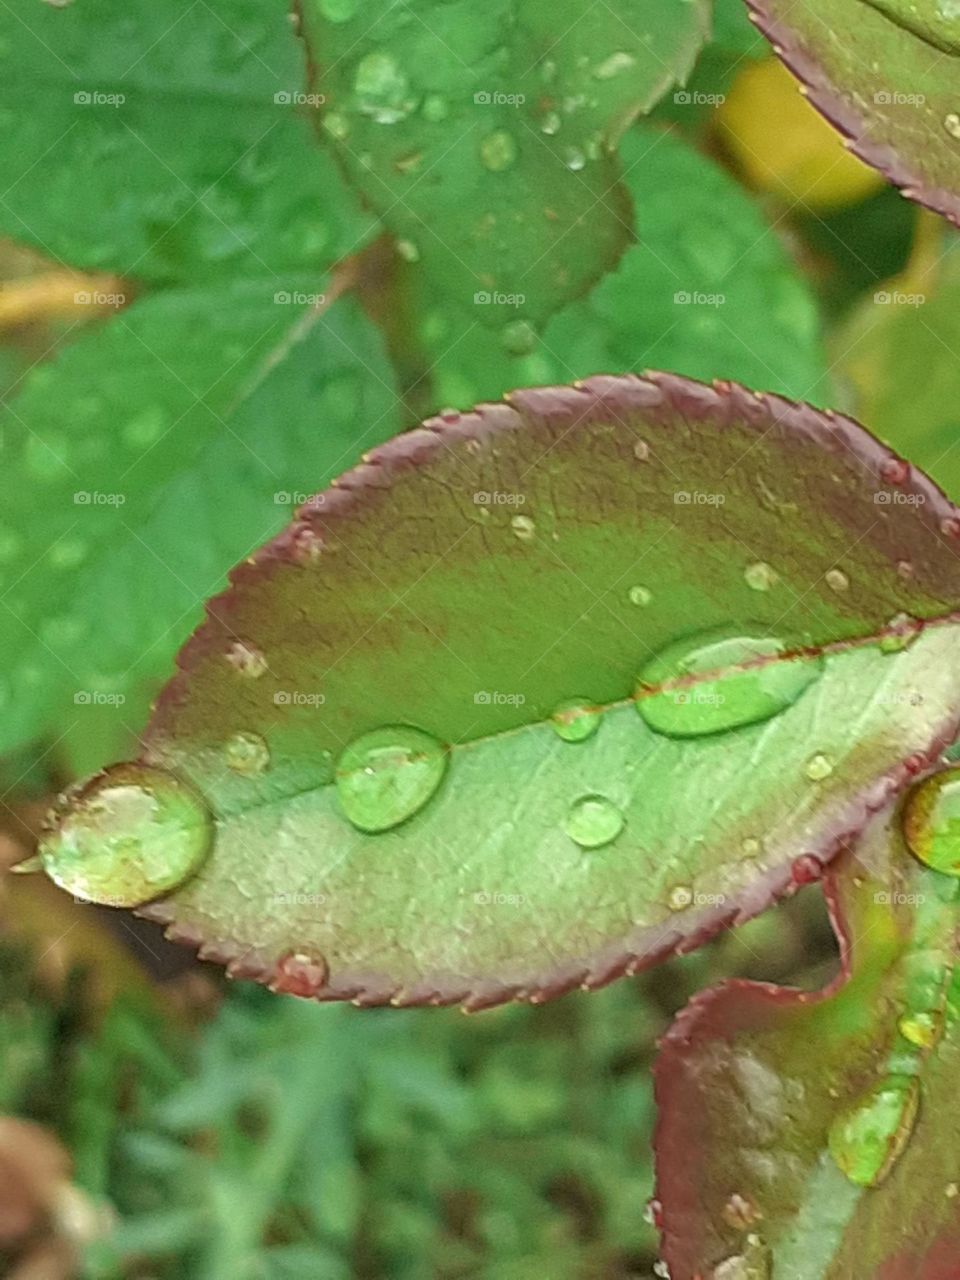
[[187, 126], [485, 136], [470, 580], [708, 291], [887, 74], [181, 397], [764, 1093]]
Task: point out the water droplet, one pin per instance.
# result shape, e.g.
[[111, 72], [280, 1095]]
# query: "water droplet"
[[952, 1190], [307, 546], [388, 775], [246, 753], [498, 150], [337, 125], [931, 822], [247, 659], [740, 1212], [382, 88], [519, 338], [299, 974], [750, 846], [435, 108], [523, 528], [68, 553], [901, 633], [755, 1263], [950, 526], [615, 65], [145, 428], [639, 596], [922, 1028], [837, 580], [735, 694], [593, 821], [641, 451], [339, 10], [680, 897], [818, 767], [951, 123], [408, 251], [126, 836], [574, 158], [760, 576], [653, 1213], [867, 1140], [551, 123], [576, 720]]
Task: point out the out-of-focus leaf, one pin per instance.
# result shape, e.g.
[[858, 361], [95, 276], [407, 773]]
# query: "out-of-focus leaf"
[[484, 135]]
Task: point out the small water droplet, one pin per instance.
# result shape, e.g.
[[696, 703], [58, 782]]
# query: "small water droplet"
[[759, 576], [951, 123], [950, 526], [755, 1263], [922, 1028], [576, 720], [339, 10], [299, 974], [740, 691], [952, 1190], [519, 338], [408, 251], [574, 158], [551, 123], [383, 91], [388, 775], [593, 821], [653, 1213], [435, 108], [931, 822], [750, 846], [126, 836], [901, 633], [498, 150], [680, 897], [145, 428], [337, 125], [523, 528], [641, 451], [639, 596], [615, 65], [818, 767], [247, 659], [246, 753], [837, 580], [740, 1212], [867, 1140]]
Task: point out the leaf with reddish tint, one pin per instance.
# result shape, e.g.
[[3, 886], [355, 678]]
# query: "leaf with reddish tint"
[[473, 576], [756, 1086], [887, 74]]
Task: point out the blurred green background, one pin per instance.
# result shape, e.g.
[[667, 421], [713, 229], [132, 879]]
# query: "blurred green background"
[[155, 1120]]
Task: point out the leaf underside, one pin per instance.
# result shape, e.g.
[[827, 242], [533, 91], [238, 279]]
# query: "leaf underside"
[[394, 600], [889, 90]]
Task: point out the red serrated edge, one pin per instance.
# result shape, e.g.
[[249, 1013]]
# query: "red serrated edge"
[[716, 405]]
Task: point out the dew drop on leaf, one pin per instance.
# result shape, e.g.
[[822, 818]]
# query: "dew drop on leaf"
[[593, 821], [576, 720], [755, 1263], [246, 753], [246, 659], [550, 124], [519, 338], [738, 694], [126, 836], [498, 150], [867, 1140], [951, 123], [931, 822], [641, 451], [818, 767], [339, 10], [837, 580], [922, 1028], [523, 528], [639, 595], [574, 159], [680, 897], [388, 775], [760, 576], [382, 88]]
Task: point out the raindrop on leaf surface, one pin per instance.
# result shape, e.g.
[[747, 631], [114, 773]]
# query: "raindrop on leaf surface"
[[729, 693], [760, 576], [127, 836], [593, 821], [388, 775], [576, 720], [931, 822], [246, 753]]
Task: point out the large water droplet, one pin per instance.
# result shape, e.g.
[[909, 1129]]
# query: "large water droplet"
[[593, 821], [246, 753], [498, 150], [388, 775], [931, 822], [730, 697], [126, 836], [382, 88], [901, 633], [867, 1140], [576, 720], [639, 596]]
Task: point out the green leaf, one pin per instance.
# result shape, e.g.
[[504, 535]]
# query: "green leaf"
[[901, 328], [762, 1090], [165, 144], [484, 135], [143, 462], [478, 574], [708, 291], [887, 74]]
